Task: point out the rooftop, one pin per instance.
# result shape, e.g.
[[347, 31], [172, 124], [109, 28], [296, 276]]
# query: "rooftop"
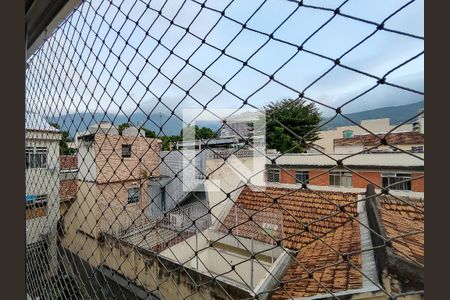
[[394, 138], [400, 160], [403, 221]]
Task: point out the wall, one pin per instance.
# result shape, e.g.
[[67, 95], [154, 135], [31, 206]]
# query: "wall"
[[44, 181], [114, 213], [80, 224], [144, 160], [360, 178], [86, 161], [153, 273]]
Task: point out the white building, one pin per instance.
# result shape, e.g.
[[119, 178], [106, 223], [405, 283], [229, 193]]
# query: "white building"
[[327, 137], [42, 189]]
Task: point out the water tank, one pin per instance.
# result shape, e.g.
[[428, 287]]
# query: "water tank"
[[347, 134]]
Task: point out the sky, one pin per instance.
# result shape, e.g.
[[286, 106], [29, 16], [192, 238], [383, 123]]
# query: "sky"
[[79, 68]]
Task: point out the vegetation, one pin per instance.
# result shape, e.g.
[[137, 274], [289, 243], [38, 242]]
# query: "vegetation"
[[291, 125], [63, 143]]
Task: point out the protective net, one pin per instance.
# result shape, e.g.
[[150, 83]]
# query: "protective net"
[[214, 150]]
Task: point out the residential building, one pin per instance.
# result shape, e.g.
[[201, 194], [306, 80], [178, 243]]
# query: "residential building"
[[419, 124], [400, 172], [317, 244], [396, 141], [42, 196], [68, 184], [112, 192], [326, 137]]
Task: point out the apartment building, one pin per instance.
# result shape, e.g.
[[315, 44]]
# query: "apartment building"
[[112, 191], [397, 141], [326, 137], [42, 195], [400, 172]]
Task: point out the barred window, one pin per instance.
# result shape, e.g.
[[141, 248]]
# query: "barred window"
[[273, 175], [134, 195], [341, 178], [301, 176], [397, 181], [126, 150], [36, 157]]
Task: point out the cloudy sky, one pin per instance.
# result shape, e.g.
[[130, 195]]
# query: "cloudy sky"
[[91, 62]]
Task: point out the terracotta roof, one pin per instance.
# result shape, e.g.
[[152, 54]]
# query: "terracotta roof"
[[330, 272], [403, 222], [328, 226], [293, 209], [68, 162], [395, 138]]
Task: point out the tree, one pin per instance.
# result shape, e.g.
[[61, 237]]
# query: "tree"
[[63, 146], [200, 133], [148, 133], [299, 121], [122, 127]]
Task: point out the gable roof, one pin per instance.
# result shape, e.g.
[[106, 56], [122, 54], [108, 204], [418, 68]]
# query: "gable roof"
[[394, 138], [403, 222], [285, 212], [329, 271]]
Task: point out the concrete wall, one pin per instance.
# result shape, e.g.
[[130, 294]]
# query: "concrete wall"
[[40, 181], [86, 161], [80, 224], [358, 148], [161, 275]]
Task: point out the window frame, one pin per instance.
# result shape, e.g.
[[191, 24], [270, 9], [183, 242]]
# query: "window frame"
[[36, 157], [276, 172], [399, 177], [135, 195], [302, 171], [338, 177], [126, 153]]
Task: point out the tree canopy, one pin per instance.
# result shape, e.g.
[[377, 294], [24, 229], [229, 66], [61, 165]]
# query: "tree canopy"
[[63, 143], [200, 133], [291, 125]]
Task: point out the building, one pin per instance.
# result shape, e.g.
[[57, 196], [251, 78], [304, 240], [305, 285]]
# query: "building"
[[396, 141], [42, 196], [112, 192], [68, 184], [419, 124], [401, 172], [326, 137], [284, 243]]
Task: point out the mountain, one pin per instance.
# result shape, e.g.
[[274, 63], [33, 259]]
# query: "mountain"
[[170, 125], [396, 114], [77, 122]]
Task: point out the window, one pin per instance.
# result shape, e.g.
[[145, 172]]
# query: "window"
[[126, 150], [273, 175], [35, 157], [417, 149], [33, 201], [341, 178], [397, 181], [134, 195], [36, 206], [302, 176]]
